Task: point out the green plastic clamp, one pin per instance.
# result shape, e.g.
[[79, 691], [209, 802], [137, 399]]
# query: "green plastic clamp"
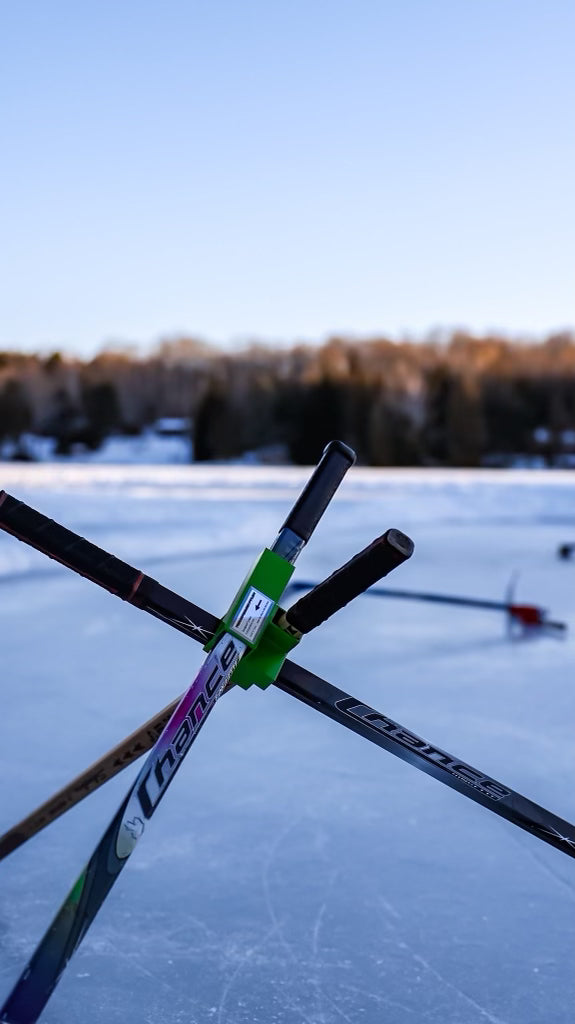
[[269, 643], [263, 664]]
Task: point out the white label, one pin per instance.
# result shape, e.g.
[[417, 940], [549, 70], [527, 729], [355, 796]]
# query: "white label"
[[251, 616]]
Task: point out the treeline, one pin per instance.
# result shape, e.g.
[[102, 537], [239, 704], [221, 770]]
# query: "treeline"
[[458, 401]]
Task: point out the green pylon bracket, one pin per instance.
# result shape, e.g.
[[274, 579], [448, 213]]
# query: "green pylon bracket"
[[250, 620]]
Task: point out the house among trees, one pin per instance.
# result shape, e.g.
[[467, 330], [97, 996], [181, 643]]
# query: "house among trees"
[[172, 426]]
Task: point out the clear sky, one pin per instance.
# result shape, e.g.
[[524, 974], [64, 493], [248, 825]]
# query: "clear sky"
[[234, 169]]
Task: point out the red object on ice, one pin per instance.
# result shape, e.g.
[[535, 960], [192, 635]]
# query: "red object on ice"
[[527, 614]]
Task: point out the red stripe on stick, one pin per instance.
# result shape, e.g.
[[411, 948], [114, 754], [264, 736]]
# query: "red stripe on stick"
[[135, 587]]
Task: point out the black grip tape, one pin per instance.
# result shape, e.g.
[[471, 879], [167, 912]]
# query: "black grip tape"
[[364, 569], [337, 458], [69, 548]]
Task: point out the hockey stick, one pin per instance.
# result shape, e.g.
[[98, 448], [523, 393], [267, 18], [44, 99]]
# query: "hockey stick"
[[529, 616]]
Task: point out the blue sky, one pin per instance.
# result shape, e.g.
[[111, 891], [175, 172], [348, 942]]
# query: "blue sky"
[[284, 171]]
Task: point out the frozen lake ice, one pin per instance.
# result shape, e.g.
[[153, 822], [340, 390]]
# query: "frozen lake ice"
[[295, 872]]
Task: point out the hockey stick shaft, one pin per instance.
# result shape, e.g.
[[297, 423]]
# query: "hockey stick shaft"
[[120, 757], [526, 614], [40, 977], [420, 595], [405, 744]]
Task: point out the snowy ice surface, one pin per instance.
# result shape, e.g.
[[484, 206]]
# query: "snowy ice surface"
[[147, 447], [295, 872]]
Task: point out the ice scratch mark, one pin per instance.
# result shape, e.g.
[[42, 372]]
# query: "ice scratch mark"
[[436, 974], [338, 1009], [109, 948], [321, 996], [389, 908], [453, 988], [317, 929], [385, 1001], [240, 967], [266, 868], [319, 993], [191, 922], [545, 866], [297, 1008]]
